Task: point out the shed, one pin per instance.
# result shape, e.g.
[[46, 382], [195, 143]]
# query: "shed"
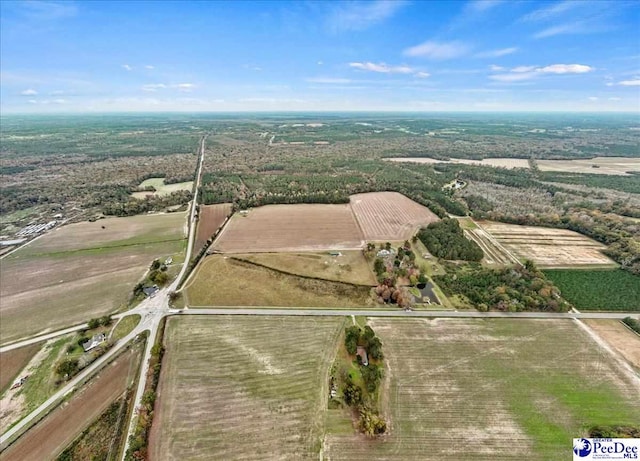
[[95, 341]]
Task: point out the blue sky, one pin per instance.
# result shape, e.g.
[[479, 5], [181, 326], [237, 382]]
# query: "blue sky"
[[314, 56]]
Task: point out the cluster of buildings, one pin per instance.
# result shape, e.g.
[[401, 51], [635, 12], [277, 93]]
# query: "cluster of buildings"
[[34, 229]]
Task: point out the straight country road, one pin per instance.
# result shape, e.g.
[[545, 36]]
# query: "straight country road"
[[300, 311]]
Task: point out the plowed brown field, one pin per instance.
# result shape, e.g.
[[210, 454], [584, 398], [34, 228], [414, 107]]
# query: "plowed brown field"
[[210, 219], [274, 228], [51, 435], [389, 215]]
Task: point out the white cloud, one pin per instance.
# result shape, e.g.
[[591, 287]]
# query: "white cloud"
[[328, 80], [515, 77], [550, 12], [381, 68], [437, 50], [565, 69], [615, 99], [184, 87], [153, 87], [479, 6], [361, 15], [56, 93], [127, 67], [320, 63], [29, 92], [569, 28], [520, 69], [497, 53], [495, 68], [422, 74], [33, 101], [634, 82], [150, 67], [593, 98], [59, 101], [521, 73]]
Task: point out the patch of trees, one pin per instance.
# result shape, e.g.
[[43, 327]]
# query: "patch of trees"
[[614, 432], [445, 239], [632, 323], [103, 321], [512, 289], [370, 422], [134, 206]]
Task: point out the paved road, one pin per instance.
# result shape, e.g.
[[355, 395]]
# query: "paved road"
[[240, 310]]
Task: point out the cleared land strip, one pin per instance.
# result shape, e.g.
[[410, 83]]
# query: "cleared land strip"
[[270, 310], [493, 251]]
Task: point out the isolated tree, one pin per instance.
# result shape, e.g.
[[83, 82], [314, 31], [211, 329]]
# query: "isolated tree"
[[67, 368]]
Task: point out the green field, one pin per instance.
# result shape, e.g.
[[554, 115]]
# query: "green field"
[[611, 290], [490, 390], [235, 388], [82, 270]]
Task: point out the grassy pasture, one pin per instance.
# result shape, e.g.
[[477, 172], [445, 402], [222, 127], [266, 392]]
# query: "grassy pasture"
[[349, 267], [243, 388], [611, 290], [224, 281], [125, 326], [81, 271], [491, 390], [161, 188]]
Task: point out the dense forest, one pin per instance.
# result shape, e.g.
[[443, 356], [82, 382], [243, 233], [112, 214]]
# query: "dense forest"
[[445, 239]]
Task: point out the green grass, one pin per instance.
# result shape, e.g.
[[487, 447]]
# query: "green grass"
[[502, 389], [613, 290], [125, 326]]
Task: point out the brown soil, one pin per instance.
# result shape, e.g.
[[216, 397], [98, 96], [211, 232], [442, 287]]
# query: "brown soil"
[[210, 219], [12, 362], [389, 215], [275, 228], [55, 432], [620, 338]]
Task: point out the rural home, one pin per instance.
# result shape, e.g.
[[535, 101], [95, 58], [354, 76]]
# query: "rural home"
[[150, 291], [362, 352], [94, 342]]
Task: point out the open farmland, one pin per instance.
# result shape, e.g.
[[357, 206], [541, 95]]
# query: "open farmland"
[[51, 435], [619, 337], [494, 253], [600, 165], [161, 188], [492, 390], [548, 247], [210, 218], [81, 271], [607, 290], [274, 228], [243, 388], [225, 281], [389, 215], [348, 266]]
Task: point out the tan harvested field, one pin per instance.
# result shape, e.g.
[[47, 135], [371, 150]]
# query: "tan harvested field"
[[290, 228], [12, 362], [81, 271], [224, 281], [349, 267], [210, 218], [603, 165], [389, 215], [619, 337], [161, 187], [484, 390], [236, 388], [54, 433], [497, 162], [494, 252], [548, 247]]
